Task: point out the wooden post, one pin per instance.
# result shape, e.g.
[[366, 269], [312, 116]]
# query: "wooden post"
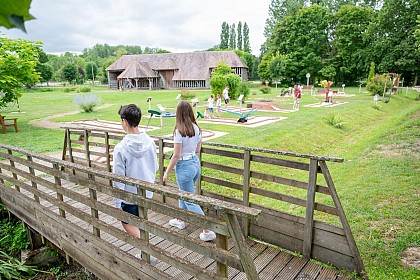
[[12, 164], [32, 172], [107, 152], [60, 197], [63, 156], [86, 142], [108, 155], [246, 188], [310, 207], [242, 249], [161, 160], [198, 184], [343, 219], [35, 239], [69, 148], [221, 242], [144, 234], [94, 212]]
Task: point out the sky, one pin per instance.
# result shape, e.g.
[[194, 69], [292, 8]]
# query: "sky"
[[176, 26]]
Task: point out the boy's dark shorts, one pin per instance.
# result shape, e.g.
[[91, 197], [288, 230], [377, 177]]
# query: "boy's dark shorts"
[[129, 208], [227, 101]]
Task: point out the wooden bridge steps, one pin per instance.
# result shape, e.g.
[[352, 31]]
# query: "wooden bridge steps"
[[270, 262]]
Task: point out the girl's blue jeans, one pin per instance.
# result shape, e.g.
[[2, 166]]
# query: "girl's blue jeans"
[[187, 173]]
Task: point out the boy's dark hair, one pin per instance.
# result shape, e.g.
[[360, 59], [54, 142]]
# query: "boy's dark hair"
[[131, 113]]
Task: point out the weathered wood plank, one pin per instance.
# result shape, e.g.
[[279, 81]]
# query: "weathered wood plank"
[[281, 162], [243, 252], [221, 167], [273, 152], [346, 226], [287, 181], [220, 182], [310, 208], [222, 153]]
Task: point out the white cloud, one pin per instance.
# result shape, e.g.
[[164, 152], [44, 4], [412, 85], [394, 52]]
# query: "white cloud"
[[177, 26]]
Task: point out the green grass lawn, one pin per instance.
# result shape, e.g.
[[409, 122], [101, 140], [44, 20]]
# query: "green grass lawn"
[[378, 182]]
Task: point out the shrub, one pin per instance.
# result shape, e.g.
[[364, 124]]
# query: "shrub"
[[376, 106], [69, 89], [265, 89], [376, 84], [244, 89], [335, 119], [42, 89], [87, 103], [187, 95], [83, 89]]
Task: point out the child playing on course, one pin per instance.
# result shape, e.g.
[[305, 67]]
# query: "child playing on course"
[[218, 104], [210, 106], [135, 157]]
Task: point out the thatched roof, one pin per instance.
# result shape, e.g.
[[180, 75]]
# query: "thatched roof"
[[137, 70], [189, 66]]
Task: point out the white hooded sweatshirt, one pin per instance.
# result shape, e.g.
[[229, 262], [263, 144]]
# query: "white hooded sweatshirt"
[[135, 157]]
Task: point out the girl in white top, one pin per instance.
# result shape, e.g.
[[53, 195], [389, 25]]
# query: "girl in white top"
[[187, 142], [218, 104]]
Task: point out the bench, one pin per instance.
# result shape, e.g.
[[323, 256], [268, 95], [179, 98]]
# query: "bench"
[[5, 122]]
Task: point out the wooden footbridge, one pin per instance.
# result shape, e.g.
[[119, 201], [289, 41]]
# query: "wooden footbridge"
[[263, 205]]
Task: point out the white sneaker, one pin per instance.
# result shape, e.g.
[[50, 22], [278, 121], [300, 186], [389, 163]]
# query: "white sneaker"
[[153, 260], [207, 236], [177, 223]]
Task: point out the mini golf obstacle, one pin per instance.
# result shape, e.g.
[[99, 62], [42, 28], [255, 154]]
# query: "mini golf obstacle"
[[325, 104]]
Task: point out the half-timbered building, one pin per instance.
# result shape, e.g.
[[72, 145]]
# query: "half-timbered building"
[[171, 70]]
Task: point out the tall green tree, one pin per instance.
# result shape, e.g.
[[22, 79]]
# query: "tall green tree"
[[224, 36], [247, 46], [232, 37], [45, 72], [304, 39], [350, 56], [392, 39], [239, 42], [18, 59], [277, 11], [69, 72], [417, 33], [91, 71]]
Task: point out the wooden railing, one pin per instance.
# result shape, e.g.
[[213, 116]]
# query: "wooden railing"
[[299, 204], [40, 191]]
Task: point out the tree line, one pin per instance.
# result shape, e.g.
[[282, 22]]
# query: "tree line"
[[339, 39]]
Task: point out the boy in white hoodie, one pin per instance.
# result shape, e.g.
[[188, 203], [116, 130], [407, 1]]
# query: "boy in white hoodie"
[[135, 157]]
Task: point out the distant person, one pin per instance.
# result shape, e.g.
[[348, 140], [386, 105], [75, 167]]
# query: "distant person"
[[210, 106], [330, 96], [218, 104], [328, 90], [135, 157], [187, 142], [226, 96], [297, 95]]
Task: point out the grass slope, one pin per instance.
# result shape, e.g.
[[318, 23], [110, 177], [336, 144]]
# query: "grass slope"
[[378, 183]]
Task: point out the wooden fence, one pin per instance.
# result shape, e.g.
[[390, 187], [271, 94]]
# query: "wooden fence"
[[55, 197], [299, 204]]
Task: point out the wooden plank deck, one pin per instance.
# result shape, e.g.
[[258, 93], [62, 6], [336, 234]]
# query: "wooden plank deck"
[[270, 262]]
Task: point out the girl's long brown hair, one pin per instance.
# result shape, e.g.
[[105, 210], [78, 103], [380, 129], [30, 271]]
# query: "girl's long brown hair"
[[185, 119]]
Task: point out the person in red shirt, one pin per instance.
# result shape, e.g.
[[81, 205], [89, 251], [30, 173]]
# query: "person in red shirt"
[[297, 95]]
